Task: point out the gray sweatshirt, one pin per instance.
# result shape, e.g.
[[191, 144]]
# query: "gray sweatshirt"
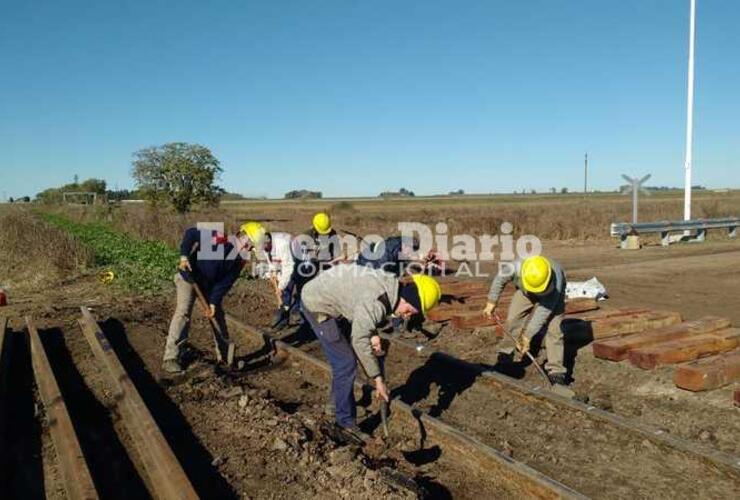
[[548, 302], [354, 292]]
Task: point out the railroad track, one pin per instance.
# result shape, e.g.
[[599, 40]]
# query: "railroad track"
[[496, 473], [161, 472], [574, 445]]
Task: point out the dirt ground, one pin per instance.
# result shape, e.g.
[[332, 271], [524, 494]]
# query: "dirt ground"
[[261, 433]]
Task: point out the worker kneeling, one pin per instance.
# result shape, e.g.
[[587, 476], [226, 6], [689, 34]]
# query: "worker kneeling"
[[344, 306], [540, 299]]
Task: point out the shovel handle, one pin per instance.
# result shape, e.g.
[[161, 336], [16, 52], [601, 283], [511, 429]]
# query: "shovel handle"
[[529, 354]]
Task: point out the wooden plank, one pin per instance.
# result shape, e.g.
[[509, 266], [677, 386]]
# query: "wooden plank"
[[446, 314], [602, 314], [167, 479], [633, 323], [616, 349], [708, 373], [77, 479], [475, 319], [677, 351]]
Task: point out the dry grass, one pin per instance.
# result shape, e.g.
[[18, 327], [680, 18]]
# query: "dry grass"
[[37, 252], [557, 217]]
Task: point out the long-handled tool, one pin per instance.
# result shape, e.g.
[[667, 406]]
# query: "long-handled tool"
[[218, 335], [529, 354], [383, 402], [384, 410]]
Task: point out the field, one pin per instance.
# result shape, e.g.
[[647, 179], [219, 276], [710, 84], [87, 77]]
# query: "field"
[[261, 429]]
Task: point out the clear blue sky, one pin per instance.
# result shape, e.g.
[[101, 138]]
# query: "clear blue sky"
[[356, 97]]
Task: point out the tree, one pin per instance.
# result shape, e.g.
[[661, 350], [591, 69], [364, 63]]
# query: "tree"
[[97, 186], [179, 173], [56, 195], [564, 191]]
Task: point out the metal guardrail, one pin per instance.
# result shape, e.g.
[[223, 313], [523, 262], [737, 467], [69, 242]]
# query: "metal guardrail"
[[624, 229]]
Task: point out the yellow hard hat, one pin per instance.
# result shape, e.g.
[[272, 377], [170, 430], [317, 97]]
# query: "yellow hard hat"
[[536, 272], [322, 223], [429, 291], [254, 231]]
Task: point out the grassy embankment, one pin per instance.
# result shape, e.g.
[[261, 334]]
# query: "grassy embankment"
[[137, 265]]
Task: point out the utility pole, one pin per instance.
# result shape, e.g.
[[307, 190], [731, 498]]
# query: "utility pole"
[[585, 174], [690, 116]]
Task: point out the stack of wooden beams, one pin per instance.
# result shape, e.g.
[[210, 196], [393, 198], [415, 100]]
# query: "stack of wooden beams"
[[707, 347], [706, 351]]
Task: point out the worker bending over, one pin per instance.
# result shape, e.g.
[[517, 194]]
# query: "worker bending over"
[[395, 254], [213, 275], [313, 252], [344, 306], [538, 304], [275, 249]]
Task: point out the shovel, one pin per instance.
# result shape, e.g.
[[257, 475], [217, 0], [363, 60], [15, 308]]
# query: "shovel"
[[218, 336], [557, 389], [383, 403]]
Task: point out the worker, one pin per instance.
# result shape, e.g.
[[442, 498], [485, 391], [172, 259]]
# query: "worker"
[[214, 276], [537, 305], [344, 306], [315, 251], [395, 255], [275, 248]]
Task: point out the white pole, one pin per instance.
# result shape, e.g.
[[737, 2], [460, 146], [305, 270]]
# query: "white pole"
[[690, 116]]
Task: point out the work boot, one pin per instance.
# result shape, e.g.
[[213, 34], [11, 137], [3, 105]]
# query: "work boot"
[[560, 386], [172, 367], [557, 378], [353, 434]]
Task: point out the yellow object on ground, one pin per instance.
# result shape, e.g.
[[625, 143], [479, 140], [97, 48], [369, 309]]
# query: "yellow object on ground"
[[429, 291], [106, 277], [254, 231], [322, 223], [536, 272]]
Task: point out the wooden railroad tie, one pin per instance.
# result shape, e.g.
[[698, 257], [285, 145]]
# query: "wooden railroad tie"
[[616, 349], [78, 482], [709, 373], [687, 349], [166, 478]]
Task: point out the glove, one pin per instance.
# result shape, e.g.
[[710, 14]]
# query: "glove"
[[489, 309], [522, 344], [211, 311], [184, 264]]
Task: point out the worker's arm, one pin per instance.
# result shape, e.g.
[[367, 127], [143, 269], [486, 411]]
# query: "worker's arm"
[[547, 305], [190, 241], [224, 284], [286, 263], [499, 282], [364, 324], [188, 246]]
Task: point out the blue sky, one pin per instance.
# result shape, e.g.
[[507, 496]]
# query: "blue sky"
[[355, 97]]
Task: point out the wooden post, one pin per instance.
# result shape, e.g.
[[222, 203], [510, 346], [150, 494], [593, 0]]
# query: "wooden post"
[[167, 479], [77, 479]]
